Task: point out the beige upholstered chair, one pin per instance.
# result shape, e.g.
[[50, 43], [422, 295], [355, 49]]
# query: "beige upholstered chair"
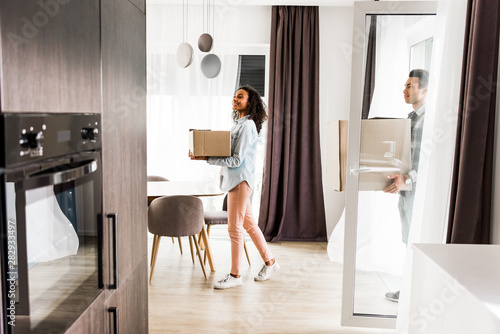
[[161, 178], [220, 218], [175, 216]]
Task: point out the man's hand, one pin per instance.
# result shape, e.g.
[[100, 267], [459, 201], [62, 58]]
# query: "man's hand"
[[395, 187]]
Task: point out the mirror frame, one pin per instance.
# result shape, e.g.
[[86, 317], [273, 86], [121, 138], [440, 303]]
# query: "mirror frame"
[[361, 10]]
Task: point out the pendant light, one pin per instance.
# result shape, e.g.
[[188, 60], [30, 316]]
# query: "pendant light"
[[205, 42], [211, 64], [184, 55]]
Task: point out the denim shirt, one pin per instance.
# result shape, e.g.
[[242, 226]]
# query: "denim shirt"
[[240, 166]]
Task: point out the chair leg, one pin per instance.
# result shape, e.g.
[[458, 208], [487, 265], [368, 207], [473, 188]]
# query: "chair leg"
[[191, 247], [246, 252], [173, 240], [180, 244], [154, 254], [153, 249], [199, 256], [200, 242], [205, 252]]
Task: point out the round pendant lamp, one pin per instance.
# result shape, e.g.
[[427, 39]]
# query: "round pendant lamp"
[[210, 66], [205, 42], [184, 54]]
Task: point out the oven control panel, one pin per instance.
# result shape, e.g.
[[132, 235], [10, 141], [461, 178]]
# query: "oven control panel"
[[33, 137], [91, 134], [31, 143]]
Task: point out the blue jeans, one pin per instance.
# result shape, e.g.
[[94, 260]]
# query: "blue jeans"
[[405, 206]]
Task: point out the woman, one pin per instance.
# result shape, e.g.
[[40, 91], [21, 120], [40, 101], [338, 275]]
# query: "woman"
[[237, 177]]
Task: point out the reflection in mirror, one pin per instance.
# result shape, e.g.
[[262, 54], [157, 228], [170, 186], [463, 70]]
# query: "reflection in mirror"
[[398, 50], [395, 44], [420, 54]]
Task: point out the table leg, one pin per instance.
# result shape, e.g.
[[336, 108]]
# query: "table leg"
[[207, 248]]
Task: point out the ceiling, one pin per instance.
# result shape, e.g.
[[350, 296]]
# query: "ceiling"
[[257, 2]]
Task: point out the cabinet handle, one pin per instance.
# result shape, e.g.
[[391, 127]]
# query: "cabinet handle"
[[114, 218], [100, 232], [114, 319]]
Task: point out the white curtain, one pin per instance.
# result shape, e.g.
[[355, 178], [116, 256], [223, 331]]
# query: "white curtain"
[[391, 68], [430, 214], [180, 99]]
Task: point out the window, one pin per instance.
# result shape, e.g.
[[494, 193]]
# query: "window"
[[252, 71], [420, 54]]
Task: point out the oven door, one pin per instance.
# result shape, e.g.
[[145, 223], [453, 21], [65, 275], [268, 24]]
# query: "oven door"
[[52, 242]]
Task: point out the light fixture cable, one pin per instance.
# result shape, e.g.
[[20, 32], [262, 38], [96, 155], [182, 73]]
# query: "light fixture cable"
[[213, 24]]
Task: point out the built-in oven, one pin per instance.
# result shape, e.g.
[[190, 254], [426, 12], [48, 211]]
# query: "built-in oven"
[[51, 235]]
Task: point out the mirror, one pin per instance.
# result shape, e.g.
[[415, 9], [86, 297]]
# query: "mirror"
[[390, 39]]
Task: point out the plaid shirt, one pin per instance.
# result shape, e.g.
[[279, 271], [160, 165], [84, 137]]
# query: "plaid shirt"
[[417, 125]]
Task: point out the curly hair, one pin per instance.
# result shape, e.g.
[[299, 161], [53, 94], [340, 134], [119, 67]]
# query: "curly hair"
[[257, 109]]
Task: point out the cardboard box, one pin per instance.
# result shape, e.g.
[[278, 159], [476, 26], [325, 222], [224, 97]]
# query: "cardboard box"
[[336, 158], [385, 149], [207, 143]]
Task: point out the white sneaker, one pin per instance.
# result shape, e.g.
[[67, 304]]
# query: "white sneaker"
[[227, 282], [267, 271]]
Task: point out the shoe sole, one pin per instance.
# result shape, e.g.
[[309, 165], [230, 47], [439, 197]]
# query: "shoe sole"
[[225, 288], [258, 279]]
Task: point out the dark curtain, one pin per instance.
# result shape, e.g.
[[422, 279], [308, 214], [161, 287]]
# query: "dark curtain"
[[470, 204], [371, 61], [292, 205]]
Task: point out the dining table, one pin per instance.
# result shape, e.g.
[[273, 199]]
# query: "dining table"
[[188, 188], [158, 189]]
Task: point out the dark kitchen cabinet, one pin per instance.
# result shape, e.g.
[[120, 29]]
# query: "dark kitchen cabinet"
[[131, 312], [126, 304], [93, 320], [90, 56], [124, 158], [123, 46], [50, 56], [124, 126]]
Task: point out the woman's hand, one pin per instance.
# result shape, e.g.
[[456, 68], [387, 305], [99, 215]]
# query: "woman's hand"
[[196, 158]]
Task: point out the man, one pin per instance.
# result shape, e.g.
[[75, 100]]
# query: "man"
[[415, 93]]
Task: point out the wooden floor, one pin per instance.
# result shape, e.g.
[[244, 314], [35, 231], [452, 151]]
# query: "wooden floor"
[[303, 297]]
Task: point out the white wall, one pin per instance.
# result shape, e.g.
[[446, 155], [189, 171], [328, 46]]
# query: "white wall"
[[335, 28], [244, 26], [235, 28]]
